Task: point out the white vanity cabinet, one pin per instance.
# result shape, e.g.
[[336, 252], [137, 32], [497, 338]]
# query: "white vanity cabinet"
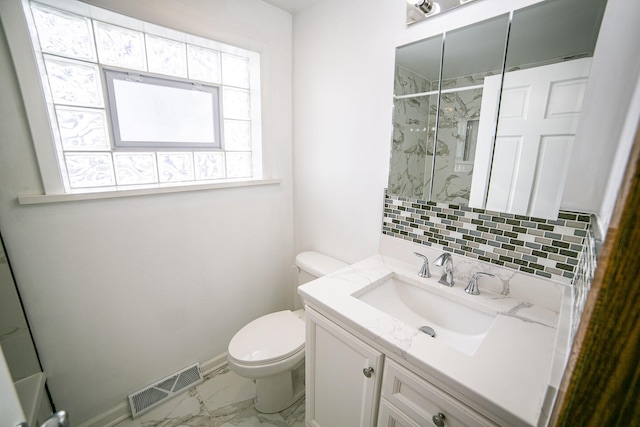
[[351, 384], [343, 376], [508, 378], [408, 400]]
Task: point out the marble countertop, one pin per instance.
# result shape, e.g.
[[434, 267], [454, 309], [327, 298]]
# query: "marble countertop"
[[513, 374]]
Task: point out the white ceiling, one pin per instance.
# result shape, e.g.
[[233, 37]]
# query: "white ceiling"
[[291, 6]]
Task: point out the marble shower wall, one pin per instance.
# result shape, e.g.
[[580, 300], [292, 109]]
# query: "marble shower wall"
[[414, 121], [411, 132], [452, 175]]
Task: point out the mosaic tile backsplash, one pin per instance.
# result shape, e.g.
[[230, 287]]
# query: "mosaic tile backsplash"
[[546, 248], [585, 271]]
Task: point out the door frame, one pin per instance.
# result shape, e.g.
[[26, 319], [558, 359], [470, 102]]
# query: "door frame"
[[601, 384]]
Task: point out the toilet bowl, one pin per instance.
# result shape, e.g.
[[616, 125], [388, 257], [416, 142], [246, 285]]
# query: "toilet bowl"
[[270, 349]]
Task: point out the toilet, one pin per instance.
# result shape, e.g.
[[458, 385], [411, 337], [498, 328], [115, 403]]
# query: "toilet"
[[270, 349]]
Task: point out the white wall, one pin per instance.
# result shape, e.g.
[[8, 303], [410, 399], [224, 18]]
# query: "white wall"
[[343, 73], [607, 129], [122, 292]]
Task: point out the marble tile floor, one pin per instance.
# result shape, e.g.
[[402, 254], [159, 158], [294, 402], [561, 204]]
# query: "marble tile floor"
[[224, 399]]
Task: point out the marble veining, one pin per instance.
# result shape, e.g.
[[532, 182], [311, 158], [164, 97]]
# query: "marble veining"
[[412, 133], [397, 331], [415, 156], [224, 399], [514, 312]]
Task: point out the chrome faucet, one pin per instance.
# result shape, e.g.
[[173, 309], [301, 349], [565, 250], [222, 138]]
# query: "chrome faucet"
[[445, 260], [472, 287], [424, 270]]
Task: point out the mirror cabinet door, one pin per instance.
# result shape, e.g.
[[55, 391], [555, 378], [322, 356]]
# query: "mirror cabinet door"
[[416, 85], [470, 55], [473, 126], [546, 71]]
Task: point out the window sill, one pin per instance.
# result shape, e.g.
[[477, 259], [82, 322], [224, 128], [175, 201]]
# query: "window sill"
[[112, 194]]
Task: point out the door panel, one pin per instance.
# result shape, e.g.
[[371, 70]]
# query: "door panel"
[[539, 112]]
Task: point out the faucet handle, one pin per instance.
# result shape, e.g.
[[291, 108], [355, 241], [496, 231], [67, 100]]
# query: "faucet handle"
[[472, 287], [442, 258], [424, 270]]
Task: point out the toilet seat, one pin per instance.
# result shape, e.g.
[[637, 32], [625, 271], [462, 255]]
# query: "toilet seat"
[[268, 339]]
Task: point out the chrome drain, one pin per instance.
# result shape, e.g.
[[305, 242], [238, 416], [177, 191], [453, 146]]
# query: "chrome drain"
[[428, 330]]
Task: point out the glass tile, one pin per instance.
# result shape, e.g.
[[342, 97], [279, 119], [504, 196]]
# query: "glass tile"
[[63, 33], [237, 135], [209, 165], [175, 167], [135, 168], [236, 104], [204, 64], [235, 71], [120, 46], [89, 169], [166, 56], [82, 129], [74, 83], [239, 165]]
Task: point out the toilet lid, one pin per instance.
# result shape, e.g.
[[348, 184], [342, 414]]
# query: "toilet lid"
[[269, 338]]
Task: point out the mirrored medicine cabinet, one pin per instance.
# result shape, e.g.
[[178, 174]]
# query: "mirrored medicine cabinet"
[[486, 115]]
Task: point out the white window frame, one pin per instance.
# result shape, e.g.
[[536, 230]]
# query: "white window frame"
[[16, 19], [163, 81]]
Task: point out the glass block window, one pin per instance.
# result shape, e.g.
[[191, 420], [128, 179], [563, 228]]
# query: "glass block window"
[[138, 108]]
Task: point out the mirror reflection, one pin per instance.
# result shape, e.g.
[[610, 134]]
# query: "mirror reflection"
[[416, 86], [546, 72], [471, 54], [448, 91]]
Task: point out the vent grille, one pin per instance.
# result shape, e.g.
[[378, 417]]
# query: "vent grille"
[[164, 389]]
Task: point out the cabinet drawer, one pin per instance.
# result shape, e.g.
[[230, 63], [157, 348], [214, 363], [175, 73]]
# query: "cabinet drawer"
[[420, 401], [390, 416]]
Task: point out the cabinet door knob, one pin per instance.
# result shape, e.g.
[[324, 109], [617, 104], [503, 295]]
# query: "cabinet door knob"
[[367, 372], [439, 419]]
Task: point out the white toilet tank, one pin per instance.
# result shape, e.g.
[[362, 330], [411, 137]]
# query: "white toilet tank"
[[312, 265]]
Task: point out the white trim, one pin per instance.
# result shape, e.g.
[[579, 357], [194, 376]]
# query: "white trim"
[[435, 92], [14, 20], [122, 410], [111, 193]]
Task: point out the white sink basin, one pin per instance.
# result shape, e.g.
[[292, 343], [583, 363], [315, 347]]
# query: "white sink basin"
[[457, 325]]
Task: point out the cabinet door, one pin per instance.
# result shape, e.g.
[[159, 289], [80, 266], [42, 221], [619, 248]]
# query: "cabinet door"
[[343, 376]]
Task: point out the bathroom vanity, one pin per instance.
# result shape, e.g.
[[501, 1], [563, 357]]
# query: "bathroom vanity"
[[485, 360]]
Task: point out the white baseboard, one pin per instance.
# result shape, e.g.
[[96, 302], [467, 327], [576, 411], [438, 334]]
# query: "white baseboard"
[[122, 411]]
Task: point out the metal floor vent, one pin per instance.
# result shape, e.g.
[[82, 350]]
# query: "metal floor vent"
[[164, 389]]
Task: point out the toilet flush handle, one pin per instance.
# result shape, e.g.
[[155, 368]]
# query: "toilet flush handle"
[[368, 372]]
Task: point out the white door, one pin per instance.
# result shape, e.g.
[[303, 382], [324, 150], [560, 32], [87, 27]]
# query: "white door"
[[11, 414], [343, 376], [539, 111]]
